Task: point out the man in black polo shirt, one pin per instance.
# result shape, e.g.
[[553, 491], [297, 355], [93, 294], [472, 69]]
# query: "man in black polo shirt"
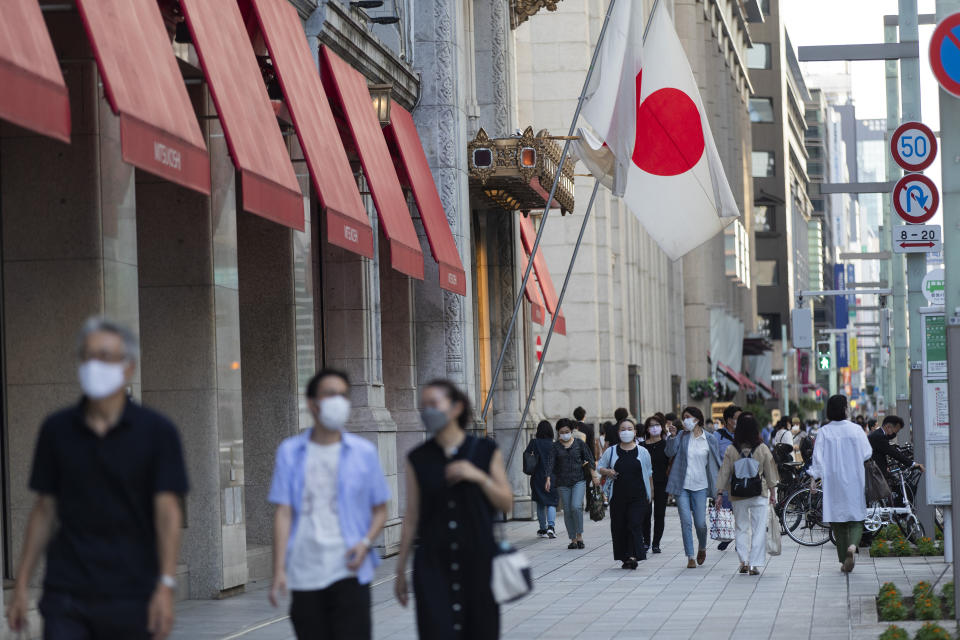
[[111, 473]]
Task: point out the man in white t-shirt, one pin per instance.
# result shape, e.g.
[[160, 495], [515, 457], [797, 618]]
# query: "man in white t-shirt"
[[331, 498]]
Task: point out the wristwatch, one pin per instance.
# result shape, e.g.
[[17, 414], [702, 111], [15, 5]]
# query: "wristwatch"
[[168, 581]]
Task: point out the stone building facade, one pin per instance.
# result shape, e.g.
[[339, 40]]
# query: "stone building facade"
[[639, 324]]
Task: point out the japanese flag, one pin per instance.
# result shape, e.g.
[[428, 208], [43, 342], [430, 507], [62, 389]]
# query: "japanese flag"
[[653, 145]]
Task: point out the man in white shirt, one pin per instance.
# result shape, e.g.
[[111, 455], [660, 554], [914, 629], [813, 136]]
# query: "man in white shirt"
[[838, 456]]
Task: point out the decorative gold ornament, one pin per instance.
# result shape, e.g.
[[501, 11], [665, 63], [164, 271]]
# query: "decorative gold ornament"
[[522, 10]]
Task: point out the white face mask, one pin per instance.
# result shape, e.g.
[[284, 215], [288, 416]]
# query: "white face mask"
[[795, 430], [100, 379], [627, 436], [566, 436], [334, 412], [689, 424], [654, 429]]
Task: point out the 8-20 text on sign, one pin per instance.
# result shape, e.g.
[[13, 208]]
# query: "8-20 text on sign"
[[916, 238]]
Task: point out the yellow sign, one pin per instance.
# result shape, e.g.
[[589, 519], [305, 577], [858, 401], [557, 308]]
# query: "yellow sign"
[[854, 360], [716, 410]]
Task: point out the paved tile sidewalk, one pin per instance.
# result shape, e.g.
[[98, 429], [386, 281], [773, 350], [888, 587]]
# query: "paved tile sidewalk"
[[584, 594]]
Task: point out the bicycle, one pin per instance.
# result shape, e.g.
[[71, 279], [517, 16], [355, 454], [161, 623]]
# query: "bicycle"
[[898, 508], [802, 517], [792, 477]]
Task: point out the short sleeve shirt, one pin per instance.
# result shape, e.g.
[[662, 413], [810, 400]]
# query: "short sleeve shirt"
[[106, 544]]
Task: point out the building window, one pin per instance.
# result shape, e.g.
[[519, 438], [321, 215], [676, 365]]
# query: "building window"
[[758, 56], [765, 218], [765, 7], [815, 169], [764, 164], [761, 109], [768, 325], [767, 273], [818, 205]]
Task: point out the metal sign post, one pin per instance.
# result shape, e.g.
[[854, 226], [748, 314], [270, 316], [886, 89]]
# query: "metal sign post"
[[950, 182]]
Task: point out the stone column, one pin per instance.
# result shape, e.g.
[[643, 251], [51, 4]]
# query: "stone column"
[[351, 340], [69, 252], [444, 322], [190, 325]]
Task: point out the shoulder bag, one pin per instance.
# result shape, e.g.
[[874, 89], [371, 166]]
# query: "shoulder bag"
[[511, 576], [530, 459], [875, 487]]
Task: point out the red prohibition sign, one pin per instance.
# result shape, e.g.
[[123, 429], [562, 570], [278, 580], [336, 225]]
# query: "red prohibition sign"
[[945, 53], [913, 146], [920, 198]]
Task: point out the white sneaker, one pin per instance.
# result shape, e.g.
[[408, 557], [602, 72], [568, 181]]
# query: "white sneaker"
[[551, 533]]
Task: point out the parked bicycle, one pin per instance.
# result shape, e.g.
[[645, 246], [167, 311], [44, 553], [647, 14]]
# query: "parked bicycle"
[[898, 508]]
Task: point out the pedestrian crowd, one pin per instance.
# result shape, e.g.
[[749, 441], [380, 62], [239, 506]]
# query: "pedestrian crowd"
[[109, 477]]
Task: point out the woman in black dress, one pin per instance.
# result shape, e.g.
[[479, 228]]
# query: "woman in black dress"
[[455, 485], [543, 486], [654, 443], [628, 465]]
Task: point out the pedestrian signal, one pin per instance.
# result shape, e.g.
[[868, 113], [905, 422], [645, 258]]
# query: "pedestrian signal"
[[823, 361]]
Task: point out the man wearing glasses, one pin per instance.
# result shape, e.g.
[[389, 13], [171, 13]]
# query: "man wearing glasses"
[[111, 473]]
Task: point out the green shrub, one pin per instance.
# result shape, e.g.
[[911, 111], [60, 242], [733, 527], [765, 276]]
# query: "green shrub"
[[894, 632], [922, 589], [888, 593], [932, 631], [879, 548], [947, 597], [927, 547], [927, 608], [901, 547], [894, 610]]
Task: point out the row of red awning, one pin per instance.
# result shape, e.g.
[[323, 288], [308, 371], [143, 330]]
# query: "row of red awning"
[[160, 132], [740, 378]]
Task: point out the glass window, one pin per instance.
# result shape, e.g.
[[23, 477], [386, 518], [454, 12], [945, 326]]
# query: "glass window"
[[815, 169], [766, 274], [764, 218], [761, 109], [765, 7], [768, 325], [758, 56], [763, 164]]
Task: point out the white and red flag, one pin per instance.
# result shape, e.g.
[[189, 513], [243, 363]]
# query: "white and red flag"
[[653, 145]]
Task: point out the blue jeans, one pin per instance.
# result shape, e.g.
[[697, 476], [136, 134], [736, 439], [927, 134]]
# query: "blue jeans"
[[546, 515], [692, 507], [572, 500]]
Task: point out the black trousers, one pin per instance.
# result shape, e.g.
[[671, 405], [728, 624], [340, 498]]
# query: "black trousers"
[[656, 515], [70, 617], [339, 612], [626, 527]]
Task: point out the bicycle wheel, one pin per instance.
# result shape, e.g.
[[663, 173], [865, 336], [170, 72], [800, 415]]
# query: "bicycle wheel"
[[910, 526], [803, 518]]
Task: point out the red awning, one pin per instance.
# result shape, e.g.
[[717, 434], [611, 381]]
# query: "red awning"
[[349, 93], [268, 183], [731, 374], [34, 95], [414, 170], [537, 313], [158, 128], [528, 236], [347, 223]]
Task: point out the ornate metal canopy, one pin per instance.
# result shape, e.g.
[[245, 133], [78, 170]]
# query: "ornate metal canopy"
[[517, 172], [521, 10]]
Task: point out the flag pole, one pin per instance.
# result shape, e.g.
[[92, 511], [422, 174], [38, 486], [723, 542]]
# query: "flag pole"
[[553, 321], [543, 220]]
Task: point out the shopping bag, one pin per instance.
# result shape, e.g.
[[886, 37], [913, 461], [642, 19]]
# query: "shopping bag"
[[875, 486], [722, 525], [773, 532], [511, 576], [595, 506]]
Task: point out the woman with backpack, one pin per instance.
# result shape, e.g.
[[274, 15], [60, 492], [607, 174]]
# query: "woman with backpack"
[[574, 463], [629, 467], [538, 461], [749, 475]]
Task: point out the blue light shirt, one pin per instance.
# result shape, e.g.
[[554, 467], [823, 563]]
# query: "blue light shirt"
[[361, 486]]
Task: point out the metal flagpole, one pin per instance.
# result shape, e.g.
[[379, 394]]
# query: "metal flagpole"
[[546, 212], [553, 322]]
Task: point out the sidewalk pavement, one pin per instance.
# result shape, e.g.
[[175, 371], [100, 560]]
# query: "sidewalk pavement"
[[585, 594]]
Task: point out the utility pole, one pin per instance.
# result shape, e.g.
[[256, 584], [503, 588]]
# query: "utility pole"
[[895, 373], [916, 264], [950, 187]]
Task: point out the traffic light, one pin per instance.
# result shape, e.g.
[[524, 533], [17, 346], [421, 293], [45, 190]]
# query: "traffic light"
[[823, 356]]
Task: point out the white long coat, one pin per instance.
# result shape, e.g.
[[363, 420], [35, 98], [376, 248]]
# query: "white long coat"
[[838, 456]]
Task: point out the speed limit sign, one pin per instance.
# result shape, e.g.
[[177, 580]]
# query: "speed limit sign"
[[913, 146]]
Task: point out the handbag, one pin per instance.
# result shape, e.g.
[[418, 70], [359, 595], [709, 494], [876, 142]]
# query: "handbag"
[[875, 487], [722, 526], [773, 532], [595, 503], [511, 577], [530, 460]]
